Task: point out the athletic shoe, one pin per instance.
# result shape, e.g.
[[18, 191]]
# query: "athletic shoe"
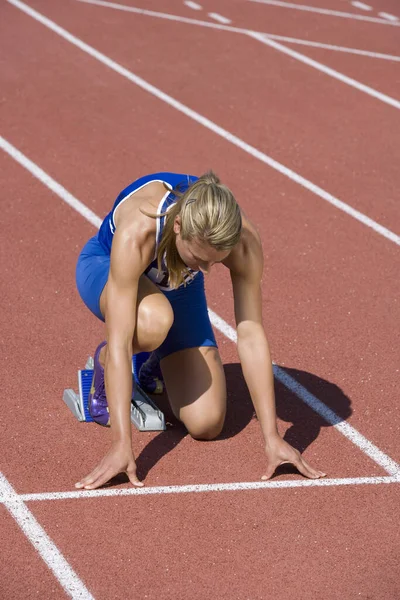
[[98, 407], [150, 376]]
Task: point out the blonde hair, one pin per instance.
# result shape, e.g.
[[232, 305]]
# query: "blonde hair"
[[209, 212]]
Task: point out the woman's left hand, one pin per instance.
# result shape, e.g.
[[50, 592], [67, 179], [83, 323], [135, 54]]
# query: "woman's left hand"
[[280, 452]]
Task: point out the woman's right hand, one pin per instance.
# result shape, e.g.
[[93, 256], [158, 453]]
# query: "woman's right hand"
[[119, 459]]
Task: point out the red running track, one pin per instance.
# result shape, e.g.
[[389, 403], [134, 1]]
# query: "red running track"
[[330, 304]]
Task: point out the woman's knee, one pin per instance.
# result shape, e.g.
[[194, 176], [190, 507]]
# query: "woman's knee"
[[155, 317], [207, 427]]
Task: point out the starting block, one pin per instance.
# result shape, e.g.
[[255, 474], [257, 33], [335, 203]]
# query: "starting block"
[[145, 415]]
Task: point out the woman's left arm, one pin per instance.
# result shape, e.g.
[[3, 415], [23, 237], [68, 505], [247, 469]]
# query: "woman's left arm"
[[246, 273]]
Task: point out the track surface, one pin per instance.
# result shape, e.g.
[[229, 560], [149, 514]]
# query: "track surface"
[[331, 302]]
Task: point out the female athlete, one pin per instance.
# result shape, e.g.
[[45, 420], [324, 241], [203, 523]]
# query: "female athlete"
[[143, 275]]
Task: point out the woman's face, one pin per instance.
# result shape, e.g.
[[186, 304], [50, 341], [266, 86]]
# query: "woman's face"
[[196, 254]]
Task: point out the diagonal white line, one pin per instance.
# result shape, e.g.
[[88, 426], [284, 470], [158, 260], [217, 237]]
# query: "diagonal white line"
[[343, 49], [208, 124], [219, 18], [280, 38], [361, 5], [51, 183], [392, 18], [379, 457], [384, 461], [48, 551], [323, 11], [389, 465], [361, 87], [193, 5]]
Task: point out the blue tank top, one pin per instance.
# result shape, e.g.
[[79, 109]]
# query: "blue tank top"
[[107, 228]]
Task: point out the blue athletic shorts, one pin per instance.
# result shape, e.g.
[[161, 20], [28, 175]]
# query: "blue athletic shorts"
[[191, 327]]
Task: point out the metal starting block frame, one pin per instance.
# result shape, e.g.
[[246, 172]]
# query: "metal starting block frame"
[[145, 415]]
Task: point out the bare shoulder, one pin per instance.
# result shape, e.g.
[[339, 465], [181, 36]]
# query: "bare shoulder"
[[131, 211], [135, 230], [246, 258]]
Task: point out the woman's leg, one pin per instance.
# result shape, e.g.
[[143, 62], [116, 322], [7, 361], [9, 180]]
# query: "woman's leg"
[[154, 316], [196, 388], [154, 312]]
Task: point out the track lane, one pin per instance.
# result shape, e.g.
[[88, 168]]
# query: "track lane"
[[56, 273], [378, 37], [65, 340], [299, 348], [379, 74], [312, 26], [318, 543], [19, 557], [293, 130]]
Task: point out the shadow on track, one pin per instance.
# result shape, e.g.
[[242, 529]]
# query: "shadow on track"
[[305, 424]]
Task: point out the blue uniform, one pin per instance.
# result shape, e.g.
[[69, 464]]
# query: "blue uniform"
[[191, 327]]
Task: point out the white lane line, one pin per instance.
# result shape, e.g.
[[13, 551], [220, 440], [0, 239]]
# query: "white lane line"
[[48, 551], [208, 124], [49, 182], [349, 432], [384, 461], [389, 17], [197, 22], [327, 70], [282, 38], [366, 89], [208, 487], [193, 5], [324, 11], [219, 18], [361, 5]]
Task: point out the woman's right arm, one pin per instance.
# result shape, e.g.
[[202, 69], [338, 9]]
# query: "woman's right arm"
[[120, 318], [131, 252]]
